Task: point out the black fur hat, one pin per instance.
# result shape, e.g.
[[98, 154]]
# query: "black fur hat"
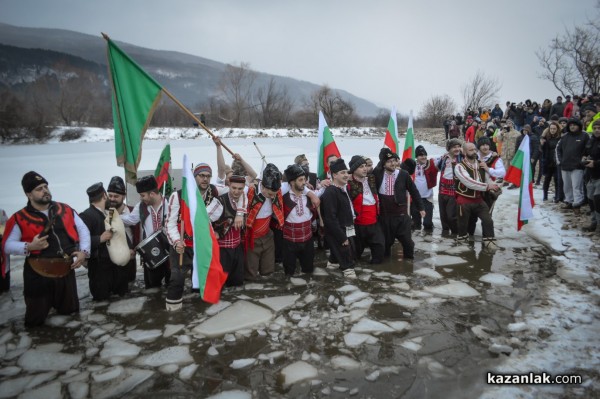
[[386, 154], [271, 178], [116, 185], [338, 166], [356, 162], [293, 172], [145, 184]]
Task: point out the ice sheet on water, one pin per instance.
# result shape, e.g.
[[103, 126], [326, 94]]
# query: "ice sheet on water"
[[254, 286], [397, 325], [319, 271], [187, 372], [362, 304], [455, 289], [444, 260], [52, 390], [128, 381], [172, 355], [36, 360], [40, 379], [10, 371], [78, 389], [172, 329], [278, 303], [428, 273], [116, 351], [11, 388], [234, 394], [241, 363], [355, 296], [168, 369], [516, 327], [496, 279], [367, 325], [143, 335], [217, 307], [108, 374], [347, 288], [241, 314], [354, 340], [298, 371], [404, 301], [411, 345], [344, 362], [127, 306], [297, 281]]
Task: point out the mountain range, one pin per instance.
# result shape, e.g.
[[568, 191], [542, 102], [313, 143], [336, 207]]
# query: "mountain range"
[[190, 78]]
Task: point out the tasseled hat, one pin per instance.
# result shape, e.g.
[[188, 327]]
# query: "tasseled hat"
[[145, 184], [271, 178], [293, 172], [31, 180], [338, 166], [116, 185]]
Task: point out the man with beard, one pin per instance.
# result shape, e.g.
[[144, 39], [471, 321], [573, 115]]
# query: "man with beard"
[[226, 213], [425, 180], [362, 189], [394, 185], [150, 214], [311, 178], [472, 182], [447, 193], [116, 199], [298, 213], [55, 241], [265, 207], [338, 217], [105, 277]]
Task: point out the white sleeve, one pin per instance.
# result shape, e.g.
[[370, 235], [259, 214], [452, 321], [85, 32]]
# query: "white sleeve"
[[466, 179], [85, 240], [285, 188], [172, 215], [14, 245], [242, 204], [132, 218], [498, 171], [214, 210]]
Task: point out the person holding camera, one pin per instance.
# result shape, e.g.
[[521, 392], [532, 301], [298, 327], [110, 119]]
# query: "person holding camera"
[[569, 152]]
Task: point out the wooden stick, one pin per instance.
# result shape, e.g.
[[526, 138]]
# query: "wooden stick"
[[183, 242], [183, 107]]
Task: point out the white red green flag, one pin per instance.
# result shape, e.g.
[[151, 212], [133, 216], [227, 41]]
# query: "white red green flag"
[[327, 147], [163, 177], [391, 134], [208, 274], [519, 174], [409, 141]]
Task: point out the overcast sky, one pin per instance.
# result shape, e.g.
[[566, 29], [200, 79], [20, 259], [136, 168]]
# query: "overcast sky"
[[391, 52]]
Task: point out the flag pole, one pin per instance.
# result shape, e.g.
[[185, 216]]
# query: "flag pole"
[[183, 108]]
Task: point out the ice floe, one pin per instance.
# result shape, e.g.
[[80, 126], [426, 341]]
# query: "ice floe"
[[278, 303], [37, 360], [298, 371], [143, 335], [455, 289], [242, 314], [127, 306], [171, 355], [344, 362], [233, 394], [242, 363], [116, 351], [445, 260], [428, 273], [496, 279], [370, 326], [404, 301]]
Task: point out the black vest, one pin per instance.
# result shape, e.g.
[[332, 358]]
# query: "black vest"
[[224, 223]]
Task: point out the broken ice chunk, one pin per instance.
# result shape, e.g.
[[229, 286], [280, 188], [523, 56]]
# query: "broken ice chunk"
[[279, 302], [370, 326], [298, 371], [455, 289], [496, 279], [241, 314]]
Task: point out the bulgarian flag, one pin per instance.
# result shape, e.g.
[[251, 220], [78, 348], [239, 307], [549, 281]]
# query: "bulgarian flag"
[[519, 174], [409, 141], [162, 174], [327, 147], [135, 95], [207, 274], [391, 134]]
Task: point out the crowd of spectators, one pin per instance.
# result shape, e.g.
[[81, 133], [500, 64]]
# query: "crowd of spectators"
[[564, 145]]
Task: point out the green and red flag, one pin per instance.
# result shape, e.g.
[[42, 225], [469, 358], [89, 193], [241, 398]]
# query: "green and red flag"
[[409, 141], [519, 174], [391, 134], [327, 147], [207, 275], [135, 95], [162, 174]]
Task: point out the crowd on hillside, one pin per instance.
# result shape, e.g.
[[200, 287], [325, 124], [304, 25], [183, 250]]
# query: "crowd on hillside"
[[563, 143]]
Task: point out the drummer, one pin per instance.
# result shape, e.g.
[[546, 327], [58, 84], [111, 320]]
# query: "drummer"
[[40, 231], [150, 212]]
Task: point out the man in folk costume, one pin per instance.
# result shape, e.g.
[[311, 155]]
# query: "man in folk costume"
[[338, 217], [226, 213], [298, 213], [394, 185], [472, 182], [55, 241], [116, 199], [311, 179], [362, 189], [491, 162], [425, 180], [447, 193], [105, 277], [151, 215], [265, 203]]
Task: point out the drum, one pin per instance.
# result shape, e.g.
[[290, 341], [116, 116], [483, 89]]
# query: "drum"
[[154, 250]]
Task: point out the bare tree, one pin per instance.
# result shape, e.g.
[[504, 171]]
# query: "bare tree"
[[572, 61], [436, 109], [236, 89], [336, 110], [275, 104], [481, 91]]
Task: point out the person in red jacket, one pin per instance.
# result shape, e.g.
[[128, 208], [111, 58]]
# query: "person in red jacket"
[[470, 133], [568, 111]]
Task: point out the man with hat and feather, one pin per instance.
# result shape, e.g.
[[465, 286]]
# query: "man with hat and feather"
[[105, 277], [55, 241], [151, 215], [393, 187]]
